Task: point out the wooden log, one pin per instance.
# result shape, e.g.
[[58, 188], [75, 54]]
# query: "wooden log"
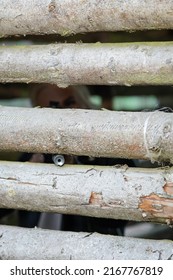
[[72, 16], [87, 64], [108, 192], [59, 245], [97, 133]]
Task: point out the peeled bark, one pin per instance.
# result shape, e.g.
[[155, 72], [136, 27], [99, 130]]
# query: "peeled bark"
[[108, 192], [58, 245], [86, 64], [74, 16], [141, 135]]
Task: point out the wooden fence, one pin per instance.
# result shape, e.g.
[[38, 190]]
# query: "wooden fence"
[[134, 194]]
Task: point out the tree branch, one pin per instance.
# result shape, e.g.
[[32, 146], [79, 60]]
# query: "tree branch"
[[46, 244], [73, 16], [141, 135], [108, 192], [109, 64]]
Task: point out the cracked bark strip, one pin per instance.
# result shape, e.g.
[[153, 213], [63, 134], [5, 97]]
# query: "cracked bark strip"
[[158, 206], [120, 193]]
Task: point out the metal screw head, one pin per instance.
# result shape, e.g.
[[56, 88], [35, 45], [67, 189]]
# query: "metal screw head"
[[58, 160]]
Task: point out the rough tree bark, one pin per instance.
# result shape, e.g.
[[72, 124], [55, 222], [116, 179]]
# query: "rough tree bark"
[[58, 245], [111, 64], [74, 16], [142, 135], [109, 192]]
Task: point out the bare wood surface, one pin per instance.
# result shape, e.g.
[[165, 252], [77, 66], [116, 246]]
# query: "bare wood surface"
[[21, 243], [109, 64], [142, 135], [74, 16], [109, 192]]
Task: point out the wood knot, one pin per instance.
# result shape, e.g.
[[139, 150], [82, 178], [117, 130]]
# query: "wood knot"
[[51, 6]]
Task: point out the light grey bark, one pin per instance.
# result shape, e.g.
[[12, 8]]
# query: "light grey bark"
[[74, 16], [109, 192], [109, 64], [21, 243], [142, 135]]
